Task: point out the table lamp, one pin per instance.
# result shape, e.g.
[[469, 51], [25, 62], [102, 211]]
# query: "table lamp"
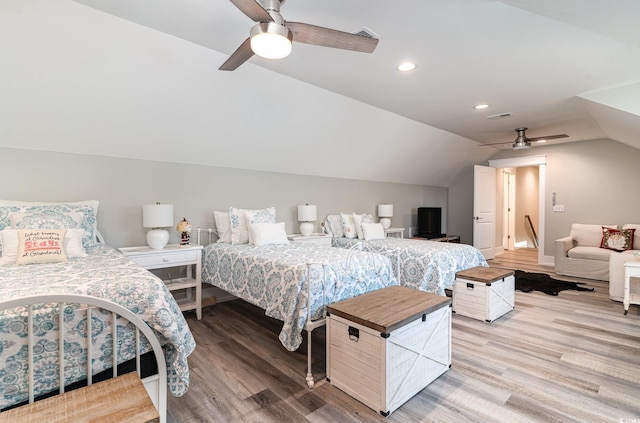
[[157, 216], [385, 212], [306, 215]]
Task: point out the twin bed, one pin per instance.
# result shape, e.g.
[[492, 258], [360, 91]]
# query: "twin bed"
[[94, 270]]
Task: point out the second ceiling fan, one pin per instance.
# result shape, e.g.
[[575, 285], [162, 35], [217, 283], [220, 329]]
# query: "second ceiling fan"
[[522, 141], [272, 30]]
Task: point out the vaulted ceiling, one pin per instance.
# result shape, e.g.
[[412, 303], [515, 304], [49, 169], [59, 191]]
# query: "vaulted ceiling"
[[139, 79]]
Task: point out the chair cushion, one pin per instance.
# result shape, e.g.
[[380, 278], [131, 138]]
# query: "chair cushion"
[[590, 253], [588, 235]]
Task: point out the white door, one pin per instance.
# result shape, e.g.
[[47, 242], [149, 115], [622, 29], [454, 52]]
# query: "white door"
[[484, 209]]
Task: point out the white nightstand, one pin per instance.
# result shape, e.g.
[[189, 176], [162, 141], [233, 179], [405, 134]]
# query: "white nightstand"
[[320, 239], [397, 232], [174, 256]]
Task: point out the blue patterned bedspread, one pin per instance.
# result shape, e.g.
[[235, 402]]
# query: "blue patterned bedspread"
[[425, 265], [275, 278], [107, 274]]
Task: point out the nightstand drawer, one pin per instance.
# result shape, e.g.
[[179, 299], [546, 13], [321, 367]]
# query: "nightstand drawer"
[[169, 259]]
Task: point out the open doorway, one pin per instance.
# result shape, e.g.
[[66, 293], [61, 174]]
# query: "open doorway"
[[519, 195], [538, 162]]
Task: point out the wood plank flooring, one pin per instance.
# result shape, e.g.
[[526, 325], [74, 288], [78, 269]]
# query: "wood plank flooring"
[[570, 358]]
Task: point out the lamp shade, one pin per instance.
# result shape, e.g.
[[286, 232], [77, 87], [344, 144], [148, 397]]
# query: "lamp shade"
[[157, 215], [307, 213], [385, 210]]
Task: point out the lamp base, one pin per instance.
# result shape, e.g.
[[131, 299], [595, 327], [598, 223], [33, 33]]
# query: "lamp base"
[[306, 228], [157, 239], [386, 222]]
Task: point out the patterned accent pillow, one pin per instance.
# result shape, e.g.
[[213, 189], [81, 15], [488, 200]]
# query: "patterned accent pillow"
[[333, 225], [349, 225], [617, 239], [223, 226], [41, 246], [87, 209], [359, 219], [240, 218]]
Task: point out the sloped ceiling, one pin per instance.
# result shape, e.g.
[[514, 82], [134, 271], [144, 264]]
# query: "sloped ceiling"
[[139, 79]]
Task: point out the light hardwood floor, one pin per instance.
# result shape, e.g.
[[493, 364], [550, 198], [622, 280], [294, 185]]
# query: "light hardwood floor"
[[570, 358]]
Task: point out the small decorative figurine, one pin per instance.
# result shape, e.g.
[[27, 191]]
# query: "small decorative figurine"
[[184, 227]]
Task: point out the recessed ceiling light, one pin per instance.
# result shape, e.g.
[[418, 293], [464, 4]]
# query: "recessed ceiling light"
[[480, 106], [406, 67]]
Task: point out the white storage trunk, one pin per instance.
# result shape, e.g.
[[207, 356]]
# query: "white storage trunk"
[[484, 293], [386, 346]]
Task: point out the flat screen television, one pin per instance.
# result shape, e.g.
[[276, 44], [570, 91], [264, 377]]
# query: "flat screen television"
[[429, 222]]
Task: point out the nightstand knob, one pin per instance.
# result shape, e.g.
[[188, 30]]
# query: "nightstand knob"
[[165, 259]]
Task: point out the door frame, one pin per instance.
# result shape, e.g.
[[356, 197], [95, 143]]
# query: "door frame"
[[541, 162]]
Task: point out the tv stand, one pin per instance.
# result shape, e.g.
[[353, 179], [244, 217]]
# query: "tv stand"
[[444, 238]]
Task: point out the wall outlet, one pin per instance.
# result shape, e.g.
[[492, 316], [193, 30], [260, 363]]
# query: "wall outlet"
[[558, 208]]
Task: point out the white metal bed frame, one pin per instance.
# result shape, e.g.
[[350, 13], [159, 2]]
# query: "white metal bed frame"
[[310, 324], [156, 385]]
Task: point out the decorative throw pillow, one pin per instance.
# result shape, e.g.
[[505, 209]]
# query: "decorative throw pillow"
[[268, 233], [333, 225], [359, 219], [72, 244], [373, 231], [223, 226], [349, 225], [636, 236], [617, 239], [240, 218], [87, 209], [41, 246]]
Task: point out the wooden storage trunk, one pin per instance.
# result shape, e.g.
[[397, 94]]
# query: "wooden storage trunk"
[[484, 293], [386, 346]]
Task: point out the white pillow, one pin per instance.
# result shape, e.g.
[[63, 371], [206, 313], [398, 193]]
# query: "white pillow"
[[239, 222], [72, 244], [36, 246], [268, 233], [223, 226], [359, 219], [349, 225], [373, 231]]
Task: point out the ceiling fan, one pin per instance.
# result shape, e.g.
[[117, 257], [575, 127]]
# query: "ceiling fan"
[[522, 141], [273, 32]]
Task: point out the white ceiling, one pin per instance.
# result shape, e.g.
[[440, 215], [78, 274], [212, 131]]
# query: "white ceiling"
[[139, 79], [531, 58]]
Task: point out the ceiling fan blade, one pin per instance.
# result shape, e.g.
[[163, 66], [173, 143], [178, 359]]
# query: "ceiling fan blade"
[[550, 137], [320, 36], [253, 10], [241, 55]]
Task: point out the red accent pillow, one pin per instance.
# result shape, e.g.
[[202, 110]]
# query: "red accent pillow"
[[617, 239]]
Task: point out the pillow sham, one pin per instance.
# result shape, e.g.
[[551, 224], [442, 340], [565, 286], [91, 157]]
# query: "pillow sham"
[[617, 239], [72, 244], [333, 225], [223, 226], [37, 246], [349, 225], [359, 219], [372, 231], [240, 218], [268, 233], [88, 209]]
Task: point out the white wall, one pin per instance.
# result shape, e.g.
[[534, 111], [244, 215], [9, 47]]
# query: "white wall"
[[123, 185], [596, 181]]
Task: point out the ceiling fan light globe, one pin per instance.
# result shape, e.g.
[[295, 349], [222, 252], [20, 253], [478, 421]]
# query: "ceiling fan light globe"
[[271, 40]]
